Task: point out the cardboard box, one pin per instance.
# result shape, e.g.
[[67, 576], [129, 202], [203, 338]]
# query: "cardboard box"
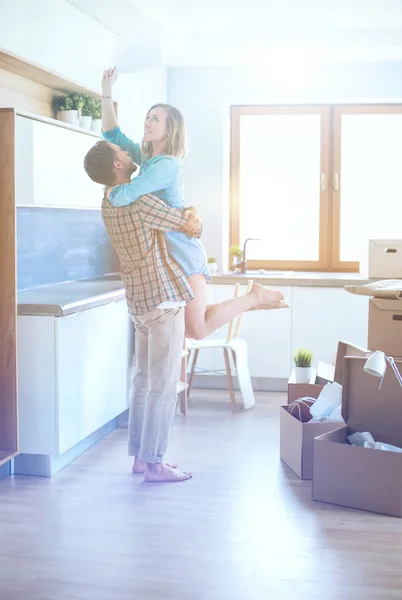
[[355, 477], [385, 326], [382, 259], [297, 441], [296, 438]]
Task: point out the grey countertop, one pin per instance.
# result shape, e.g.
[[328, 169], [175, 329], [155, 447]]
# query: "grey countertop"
[[63, 299], [293, 278]]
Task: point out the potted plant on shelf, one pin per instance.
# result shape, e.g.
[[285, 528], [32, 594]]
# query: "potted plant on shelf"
[[96, 113], [67, 108], [213, 265], [303, 369], [86, 112], [236, 256]]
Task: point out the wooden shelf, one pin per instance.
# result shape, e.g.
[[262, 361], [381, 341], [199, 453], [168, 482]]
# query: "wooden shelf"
[[32, 72], [28, 87]]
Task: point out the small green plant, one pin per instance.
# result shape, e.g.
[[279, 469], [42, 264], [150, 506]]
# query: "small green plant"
[[211, 260], [77, 101], [68, 102], [235, 250], [303, 357], [86, 110], [61, 103], [96, 109]]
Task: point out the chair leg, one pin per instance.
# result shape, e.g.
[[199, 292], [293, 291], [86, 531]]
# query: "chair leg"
[[240, 359], [183, 394], [230, 380], [192, 372]]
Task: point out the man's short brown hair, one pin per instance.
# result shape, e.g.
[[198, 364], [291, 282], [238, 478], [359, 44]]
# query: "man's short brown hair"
[[98, 163]]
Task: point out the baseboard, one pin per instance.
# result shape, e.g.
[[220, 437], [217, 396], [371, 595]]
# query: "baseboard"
[[46, 466], [122, 419], [260, 384], [5, 470]]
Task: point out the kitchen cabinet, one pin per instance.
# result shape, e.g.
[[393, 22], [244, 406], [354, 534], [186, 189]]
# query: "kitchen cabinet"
[[317, 319], [49, 166], [73, 377], [323, 316], [267, 334]]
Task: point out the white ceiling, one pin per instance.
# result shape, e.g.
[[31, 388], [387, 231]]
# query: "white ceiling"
[[245, 32]]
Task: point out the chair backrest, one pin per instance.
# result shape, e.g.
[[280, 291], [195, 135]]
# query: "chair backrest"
[[231, 335]]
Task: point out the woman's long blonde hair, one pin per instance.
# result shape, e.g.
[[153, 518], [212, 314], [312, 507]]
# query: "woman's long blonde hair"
[[176, 134]]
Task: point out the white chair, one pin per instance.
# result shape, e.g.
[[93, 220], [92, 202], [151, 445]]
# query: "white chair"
[[233, 347]]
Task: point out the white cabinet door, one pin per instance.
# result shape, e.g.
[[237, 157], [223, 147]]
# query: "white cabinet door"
[[36, 385], [92, 370], [323, 316], [49, 165], [267, 334]]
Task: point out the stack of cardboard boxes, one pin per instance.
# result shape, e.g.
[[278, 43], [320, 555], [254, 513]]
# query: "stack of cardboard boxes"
[[356, 477]]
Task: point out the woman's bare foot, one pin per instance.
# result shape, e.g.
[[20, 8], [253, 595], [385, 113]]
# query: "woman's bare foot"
[[162, 473], [280, 304], [139, 467], [264, 297]]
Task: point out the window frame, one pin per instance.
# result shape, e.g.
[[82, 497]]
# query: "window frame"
[[330, 197], [338, 112]]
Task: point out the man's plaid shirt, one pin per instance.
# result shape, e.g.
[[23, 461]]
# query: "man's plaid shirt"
[[149, 274]]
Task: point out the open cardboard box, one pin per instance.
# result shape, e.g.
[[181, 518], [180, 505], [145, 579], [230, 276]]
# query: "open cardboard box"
[[356, 477], [385, 326], [297, 438]]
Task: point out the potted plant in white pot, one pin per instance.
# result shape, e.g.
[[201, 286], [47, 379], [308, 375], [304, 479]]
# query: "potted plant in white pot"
[[96, 113], [67, 108], [303, 359], [213, 265], [236, 257], [86, 112]]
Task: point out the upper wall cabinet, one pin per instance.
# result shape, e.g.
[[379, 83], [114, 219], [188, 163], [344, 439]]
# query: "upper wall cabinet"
[[49, 167]]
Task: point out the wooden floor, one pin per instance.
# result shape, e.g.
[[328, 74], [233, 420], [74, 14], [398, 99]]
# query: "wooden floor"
[[245, 528]]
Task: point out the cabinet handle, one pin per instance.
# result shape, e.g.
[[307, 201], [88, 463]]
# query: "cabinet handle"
[[336, 182], [323, 182]]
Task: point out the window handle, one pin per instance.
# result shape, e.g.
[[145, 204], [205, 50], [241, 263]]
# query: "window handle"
[[336, 182]]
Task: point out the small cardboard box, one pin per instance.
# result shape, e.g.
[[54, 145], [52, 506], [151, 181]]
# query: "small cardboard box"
[[385, 326], [296, 438], [382, 259], [356, 477]]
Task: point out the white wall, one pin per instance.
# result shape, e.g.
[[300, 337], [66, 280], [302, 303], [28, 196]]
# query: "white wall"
[[61, 38], [136, 94], [205, 95], [57, 36]]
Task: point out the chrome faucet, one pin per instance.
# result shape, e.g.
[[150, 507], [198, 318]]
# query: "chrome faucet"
[[243, 264]]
